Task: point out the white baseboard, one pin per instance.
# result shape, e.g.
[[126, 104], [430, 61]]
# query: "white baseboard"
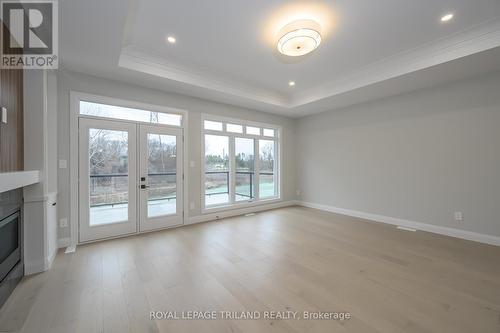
[[236, 212], [63, 242], [452, 232]]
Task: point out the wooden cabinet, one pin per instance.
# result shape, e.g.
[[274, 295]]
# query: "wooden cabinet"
[[11, 133]]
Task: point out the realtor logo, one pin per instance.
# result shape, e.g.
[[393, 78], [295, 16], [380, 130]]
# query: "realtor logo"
[[29, 34]]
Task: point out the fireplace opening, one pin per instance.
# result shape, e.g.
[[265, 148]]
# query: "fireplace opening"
[[10, 243]]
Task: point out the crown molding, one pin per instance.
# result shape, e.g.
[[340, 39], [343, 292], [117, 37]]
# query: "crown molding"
[[134, 59], [479, 38], [464, 43]]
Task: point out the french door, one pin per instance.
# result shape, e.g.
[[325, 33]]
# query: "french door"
[[160, 164], [130, 178]]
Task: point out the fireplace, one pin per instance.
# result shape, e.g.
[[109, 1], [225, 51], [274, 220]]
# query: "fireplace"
[[11, 240]]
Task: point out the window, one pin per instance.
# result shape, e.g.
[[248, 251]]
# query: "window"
[[241, 162], [233, 128], [216, 169], [244, 169], [268, 132], [267, 181], [253, 130], [213, 125], [119, 112]]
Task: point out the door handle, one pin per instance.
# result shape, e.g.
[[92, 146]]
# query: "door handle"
[[144, 187]]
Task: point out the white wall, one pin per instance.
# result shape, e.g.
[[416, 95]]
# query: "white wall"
[[420, 156], [68, 81], [52, 131], [40, 151]]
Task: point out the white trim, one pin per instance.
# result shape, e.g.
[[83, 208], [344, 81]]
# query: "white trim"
[[185, 166], [240, 205], [75, 97], [73, 167], [407, 224], [238, 211], [406, 228]]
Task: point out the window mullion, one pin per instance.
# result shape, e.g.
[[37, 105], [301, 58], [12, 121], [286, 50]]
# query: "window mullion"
[[276, 168], [232, 168], [257, 169]]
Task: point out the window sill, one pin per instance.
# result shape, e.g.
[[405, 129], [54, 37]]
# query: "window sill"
[[214, 209]]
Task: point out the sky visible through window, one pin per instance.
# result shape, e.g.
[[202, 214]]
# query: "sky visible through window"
[[119, 112]]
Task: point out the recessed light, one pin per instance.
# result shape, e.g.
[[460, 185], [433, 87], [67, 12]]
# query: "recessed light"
[[171, 39], [447, 17], [291, 83]]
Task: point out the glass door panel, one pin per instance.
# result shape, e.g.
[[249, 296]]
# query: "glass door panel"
[[161, 175], [160, 180], [108, 176], [107, 179]]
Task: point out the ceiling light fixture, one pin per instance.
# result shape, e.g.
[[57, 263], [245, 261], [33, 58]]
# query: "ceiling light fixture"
[[291, 83], [171, 39], [299, 38], [447, 17]]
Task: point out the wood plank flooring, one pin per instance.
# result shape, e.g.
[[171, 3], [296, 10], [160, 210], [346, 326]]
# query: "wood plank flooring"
[[290, 259]]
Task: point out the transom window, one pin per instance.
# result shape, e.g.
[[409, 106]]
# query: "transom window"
[[241, 162], [119, 112]]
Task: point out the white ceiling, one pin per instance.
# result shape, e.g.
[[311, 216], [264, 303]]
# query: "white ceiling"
[[225, 50]]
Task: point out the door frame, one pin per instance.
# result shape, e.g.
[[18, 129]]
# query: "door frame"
[[75, 98]]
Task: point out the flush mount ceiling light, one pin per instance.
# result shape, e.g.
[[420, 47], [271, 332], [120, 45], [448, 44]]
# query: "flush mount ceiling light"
[[299, 38], [171, 39], [447, 17], [291, 83]]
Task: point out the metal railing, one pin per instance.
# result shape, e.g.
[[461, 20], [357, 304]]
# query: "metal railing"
[[109, 176], [218, 173], [226, 173]]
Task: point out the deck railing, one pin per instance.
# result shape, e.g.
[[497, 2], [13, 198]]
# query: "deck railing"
[[226, 174], [96, 178], [108, 178]]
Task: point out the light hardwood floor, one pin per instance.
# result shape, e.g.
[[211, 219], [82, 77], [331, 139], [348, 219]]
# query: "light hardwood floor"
[[293, 258]]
